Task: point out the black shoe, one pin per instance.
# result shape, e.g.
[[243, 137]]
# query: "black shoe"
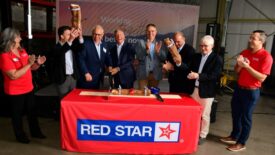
[[39, 135], [23, 139], [201, 141]]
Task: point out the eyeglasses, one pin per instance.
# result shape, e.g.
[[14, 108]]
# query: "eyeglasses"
[[204, 45], [97, 34]]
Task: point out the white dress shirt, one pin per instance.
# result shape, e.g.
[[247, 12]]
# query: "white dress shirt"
[[203, 60]]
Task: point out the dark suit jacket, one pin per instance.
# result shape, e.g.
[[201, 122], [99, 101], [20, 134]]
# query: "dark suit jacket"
[[126, 76], [59, 69], [209, 75], [177, 79], [89, 62]]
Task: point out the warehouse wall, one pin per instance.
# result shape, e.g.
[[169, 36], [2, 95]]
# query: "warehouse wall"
[[243, 20]]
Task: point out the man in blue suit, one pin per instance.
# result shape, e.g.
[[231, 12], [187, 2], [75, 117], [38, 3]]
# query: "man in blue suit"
[[122, 56], [93, 60]]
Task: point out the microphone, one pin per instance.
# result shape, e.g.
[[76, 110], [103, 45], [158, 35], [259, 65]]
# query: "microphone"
[[155, 91]]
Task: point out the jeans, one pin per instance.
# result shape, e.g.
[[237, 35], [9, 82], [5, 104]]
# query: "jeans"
[[243, 104]]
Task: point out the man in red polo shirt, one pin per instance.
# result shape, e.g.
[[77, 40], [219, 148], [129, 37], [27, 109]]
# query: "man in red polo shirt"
[[253, 66]]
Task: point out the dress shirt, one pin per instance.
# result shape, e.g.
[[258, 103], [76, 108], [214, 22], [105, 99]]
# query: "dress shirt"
[[203, 60], [152, 50], [119, 49], [98, 49]]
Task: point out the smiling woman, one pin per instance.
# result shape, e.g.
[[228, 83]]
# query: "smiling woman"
[[16, 67]]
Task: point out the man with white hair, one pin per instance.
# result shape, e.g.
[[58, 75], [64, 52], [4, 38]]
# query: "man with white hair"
[[205, 69], [93, 60]]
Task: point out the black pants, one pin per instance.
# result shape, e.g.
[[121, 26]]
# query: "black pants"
[[21, 104]]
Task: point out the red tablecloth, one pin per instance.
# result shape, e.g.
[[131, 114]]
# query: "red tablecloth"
[[99, 124]]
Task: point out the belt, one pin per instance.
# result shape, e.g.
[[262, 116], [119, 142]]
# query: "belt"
[[69, 74], [196, 86], [248, 88]]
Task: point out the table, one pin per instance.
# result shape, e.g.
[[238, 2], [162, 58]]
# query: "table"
[[101, 124]]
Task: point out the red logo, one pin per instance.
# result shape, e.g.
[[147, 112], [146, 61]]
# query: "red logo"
[[166, 131]]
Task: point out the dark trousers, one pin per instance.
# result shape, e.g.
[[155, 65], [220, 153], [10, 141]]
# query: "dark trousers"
[[243, 104], [124, 84], [20, 104]]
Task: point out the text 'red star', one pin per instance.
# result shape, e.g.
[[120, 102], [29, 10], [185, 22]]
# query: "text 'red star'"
[[166, 131]]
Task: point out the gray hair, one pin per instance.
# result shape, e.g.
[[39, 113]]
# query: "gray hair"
[[209, 39], [7, 39], [97, 27]]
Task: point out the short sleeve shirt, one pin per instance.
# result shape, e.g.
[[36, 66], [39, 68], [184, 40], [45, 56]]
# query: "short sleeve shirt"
[[261, 61], [10, 61]]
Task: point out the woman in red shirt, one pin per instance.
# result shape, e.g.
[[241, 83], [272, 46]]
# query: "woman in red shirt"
[[16, 66]]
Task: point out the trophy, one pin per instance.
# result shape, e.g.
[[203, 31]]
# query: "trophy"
[[172, 47], [76, 15]]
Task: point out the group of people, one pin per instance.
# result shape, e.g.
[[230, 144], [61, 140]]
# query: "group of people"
[[83, 63]]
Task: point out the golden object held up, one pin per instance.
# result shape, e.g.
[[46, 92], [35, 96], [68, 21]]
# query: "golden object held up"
[[172, 47], [76, 15]]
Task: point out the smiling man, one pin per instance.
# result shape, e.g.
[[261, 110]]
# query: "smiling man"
[[93, 60], [205, 70], [253, 66], [122, 56]]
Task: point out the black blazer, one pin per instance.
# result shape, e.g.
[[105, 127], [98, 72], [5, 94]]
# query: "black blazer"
[[126, 76], [177, 79], [59, 69], [209, 75]]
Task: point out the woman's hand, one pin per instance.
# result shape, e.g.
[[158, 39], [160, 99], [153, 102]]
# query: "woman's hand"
[[31, 59]]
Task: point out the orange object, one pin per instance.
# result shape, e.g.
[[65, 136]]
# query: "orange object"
[[76, 15], [172, 47]]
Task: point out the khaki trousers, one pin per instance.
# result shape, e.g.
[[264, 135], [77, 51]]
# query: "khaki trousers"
[[206, 104]]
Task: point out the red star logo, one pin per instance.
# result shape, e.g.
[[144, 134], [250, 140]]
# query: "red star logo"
[[166, 131]]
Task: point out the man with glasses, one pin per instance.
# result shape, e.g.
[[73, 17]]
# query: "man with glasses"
[[93, 60], [253, 66], [205, 69]]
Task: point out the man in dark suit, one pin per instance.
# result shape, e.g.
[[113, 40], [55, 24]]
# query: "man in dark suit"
[[93, 60], [65, 71], [205, 70], [178, 68], [122, 56]]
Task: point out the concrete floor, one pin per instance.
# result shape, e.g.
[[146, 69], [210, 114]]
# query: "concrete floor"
[[261, 141]]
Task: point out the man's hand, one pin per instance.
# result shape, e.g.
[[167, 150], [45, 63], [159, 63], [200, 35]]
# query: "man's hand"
[[88, 77], [193, 75], [115, 70], [41, 60], [74, 34], [168, 66], [158, 46], [242, 61]]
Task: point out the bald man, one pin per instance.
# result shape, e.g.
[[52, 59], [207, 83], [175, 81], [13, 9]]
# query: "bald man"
[[93, 60], [178, 68]]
